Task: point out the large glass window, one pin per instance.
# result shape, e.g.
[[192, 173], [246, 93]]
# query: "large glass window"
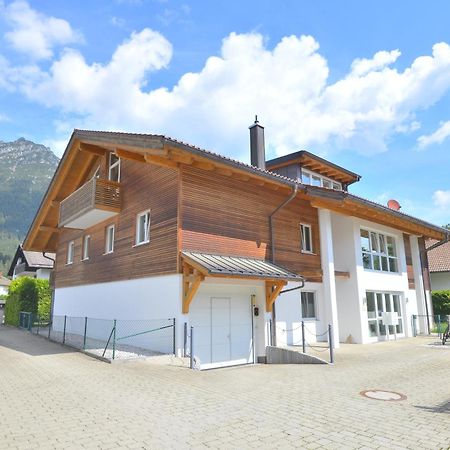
[[382, 307], [378, 251], [308, 305]]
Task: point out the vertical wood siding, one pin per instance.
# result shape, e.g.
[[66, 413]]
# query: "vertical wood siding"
[[144, 186], [409, 265]]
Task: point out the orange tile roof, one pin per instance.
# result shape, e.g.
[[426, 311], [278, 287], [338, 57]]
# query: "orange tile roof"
[[439, 257]]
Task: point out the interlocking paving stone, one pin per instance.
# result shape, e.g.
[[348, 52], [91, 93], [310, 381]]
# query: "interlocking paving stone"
[[54, 397]]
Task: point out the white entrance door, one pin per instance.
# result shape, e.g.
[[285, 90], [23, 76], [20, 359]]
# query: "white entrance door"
[[222, 330], [379, 303]]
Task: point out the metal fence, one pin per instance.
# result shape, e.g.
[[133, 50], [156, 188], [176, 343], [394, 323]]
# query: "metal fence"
[[327, 346], [432, 325], [107, 338]]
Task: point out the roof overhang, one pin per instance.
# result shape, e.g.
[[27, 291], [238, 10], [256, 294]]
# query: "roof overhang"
[[85, 147], [315, 163], [197, 266]]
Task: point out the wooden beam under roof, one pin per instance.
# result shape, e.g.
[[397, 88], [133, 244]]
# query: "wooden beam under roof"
[[93, 149], [126, 154]]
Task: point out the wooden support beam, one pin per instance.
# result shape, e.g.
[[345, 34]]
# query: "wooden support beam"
[[181, 158], [49, 229], [204, 165], [94, 149], [225, 172], [273, 289], [192, 279], [159, 161], [341, 274], [125, 154], [162, 152]]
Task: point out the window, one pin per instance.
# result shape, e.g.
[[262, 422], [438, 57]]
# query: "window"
[[86, 244], [378, 252], [114, 167], [143, 228], [378, 304], [308, 305], [109, 239], [70, 252], [315, 179], [306, 238]]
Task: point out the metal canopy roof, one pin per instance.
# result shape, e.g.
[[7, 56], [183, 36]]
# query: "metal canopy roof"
[[243, 267]]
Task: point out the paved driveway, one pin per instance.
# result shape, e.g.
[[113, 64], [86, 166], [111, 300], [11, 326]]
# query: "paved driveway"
[[51, 397]]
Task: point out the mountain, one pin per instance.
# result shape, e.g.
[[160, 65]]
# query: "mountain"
[[26, 169]]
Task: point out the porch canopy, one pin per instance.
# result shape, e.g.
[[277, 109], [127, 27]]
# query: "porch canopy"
[[197, 266]]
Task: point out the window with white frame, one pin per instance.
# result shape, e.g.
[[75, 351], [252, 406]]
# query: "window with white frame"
[[308, 300], [306, 238], [378, 251], [86, 245], [315, 179], [114, 167], [143, 227], [70, 252], [109, 239]]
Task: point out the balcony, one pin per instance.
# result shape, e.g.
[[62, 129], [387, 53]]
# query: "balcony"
[[92, 203]]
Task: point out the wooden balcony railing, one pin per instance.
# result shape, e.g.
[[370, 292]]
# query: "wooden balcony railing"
[[96, 195]]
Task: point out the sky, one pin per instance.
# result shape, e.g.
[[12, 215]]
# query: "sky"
[[363, 84]]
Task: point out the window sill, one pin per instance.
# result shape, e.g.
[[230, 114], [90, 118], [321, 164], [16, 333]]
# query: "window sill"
[[85, 259], [305, 252], [69, 263], [108, 253], [382, 272], [141, 243]]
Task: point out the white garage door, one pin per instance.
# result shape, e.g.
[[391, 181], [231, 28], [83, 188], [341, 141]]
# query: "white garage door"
[[222, 330]]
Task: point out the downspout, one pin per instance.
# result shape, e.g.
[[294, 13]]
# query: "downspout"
[[272, 244]]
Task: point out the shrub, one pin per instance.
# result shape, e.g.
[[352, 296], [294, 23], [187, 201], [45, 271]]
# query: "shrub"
[[441, 302], [28, 295]]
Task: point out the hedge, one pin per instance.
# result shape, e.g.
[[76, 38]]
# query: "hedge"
[[29, 295], [441, 302]]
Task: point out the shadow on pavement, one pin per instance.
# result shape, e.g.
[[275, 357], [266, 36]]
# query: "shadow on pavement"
[[25, 342], [441, 408]]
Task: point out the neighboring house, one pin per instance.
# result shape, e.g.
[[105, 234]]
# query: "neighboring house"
[[31, 264], [439, 264], [145, 226], [4, 284]]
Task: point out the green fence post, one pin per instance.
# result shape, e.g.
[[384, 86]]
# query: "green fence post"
[[64, 332], [114, 340], [85, 329]]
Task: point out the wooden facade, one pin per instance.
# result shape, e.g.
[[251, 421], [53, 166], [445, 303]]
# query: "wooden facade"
[[146, 186], [226, 216], [409, 264]]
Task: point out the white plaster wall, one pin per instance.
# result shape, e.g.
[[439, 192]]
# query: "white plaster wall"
[[381, 281], [43, 273], [347, 293], [440, 281], [229, 287], [154, 298], [289, 316]]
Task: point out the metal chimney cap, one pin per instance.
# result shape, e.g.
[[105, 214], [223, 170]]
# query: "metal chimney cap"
[[256, 123]]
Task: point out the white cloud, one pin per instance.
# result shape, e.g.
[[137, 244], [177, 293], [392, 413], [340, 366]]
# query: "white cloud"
[[439, 136], [34, 33], [287, 86], [441, 199]]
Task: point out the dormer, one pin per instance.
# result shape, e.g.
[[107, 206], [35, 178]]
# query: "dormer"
[[310, 169]]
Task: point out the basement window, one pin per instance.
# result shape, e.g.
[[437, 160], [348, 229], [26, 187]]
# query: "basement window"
[[70, 252], [308, 305], [86, 245], [109, 239], [306, 238], [143, 228], [114, 167]]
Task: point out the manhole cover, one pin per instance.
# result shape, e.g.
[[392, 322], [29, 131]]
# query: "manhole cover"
[[377, 394]]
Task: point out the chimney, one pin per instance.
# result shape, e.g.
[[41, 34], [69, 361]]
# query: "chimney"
[[257, 147]]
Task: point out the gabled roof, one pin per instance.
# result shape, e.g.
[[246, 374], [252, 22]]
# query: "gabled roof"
[[33, 260], [439, 257], [240, 267], [158, 149], [315, 163]]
